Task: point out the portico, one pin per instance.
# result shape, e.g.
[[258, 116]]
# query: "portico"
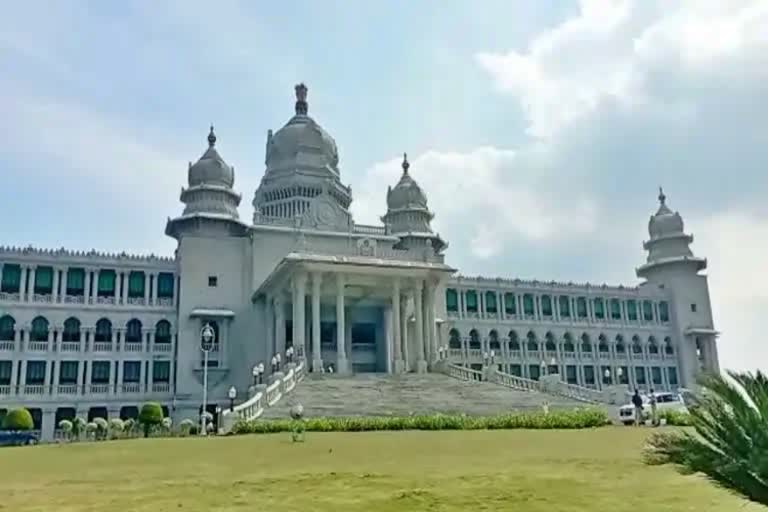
[[357, 315]]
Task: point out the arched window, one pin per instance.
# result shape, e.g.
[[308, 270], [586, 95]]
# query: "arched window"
[[621, 348], [565, 306], [490, 302], [602, 344], [669, 349], [7, 328], [532, 344], [653, 347], [103, 331], [581, 307], [471, 298], [454, 341], [546, 305], [163, 332], [493, 340], [550, 343], [637, 347], [568, 345], [586, 343], [514, 341], [133, 331], [71, 330], [451, 301], [528, 309], [39, 331], [474, 339]]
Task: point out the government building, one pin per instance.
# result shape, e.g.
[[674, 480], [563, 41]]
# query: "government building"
[[96, 335]]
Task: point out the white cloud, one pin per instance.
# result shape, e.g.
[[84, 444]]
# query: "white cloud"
[[483, 198]]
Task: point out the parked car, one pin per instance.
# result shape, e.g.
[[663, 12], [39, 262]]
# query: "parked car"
[[17, 438], [664, 401]]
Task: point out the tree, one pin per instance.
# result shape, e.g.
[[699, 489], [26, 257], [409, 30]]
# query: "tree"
[[18, 419], [150, 416], [729, 442]]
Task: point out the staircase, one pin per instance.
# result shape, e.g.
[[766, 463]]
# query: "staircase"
[[403, 395]]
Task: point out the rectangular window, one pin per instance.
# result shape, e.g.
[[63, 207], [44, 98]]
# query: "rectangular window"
[[35, 373], [599, 306], [510, 305], [471, 298], [131, 372], [5, 372], [75, 281], [68, 372], [161, 371], [589, 375], [656, 375], [165, 285], [490, 302], [624, 377], [213, 281], [671, 374], [363, 334], [581, 307], [527, 305], [631, 311], [514, 369], [693, 310], [640, 375], [11, 281], [100, 372], [546, 305], [647, 311], [664, 311], [565, 307], [44, 280], [615, 309], [106, 285], [533, 370], [136, 284], [328, 335], [451, 300], [571, 374]]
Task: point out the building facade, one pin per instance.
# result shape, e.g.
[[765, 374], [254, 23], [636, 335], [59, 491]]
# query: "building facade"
[[94, 334]]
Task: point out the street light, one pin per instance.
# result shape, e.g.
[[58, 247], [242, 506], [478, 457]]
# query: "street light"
[[493, 356], [289, 354], [257, 372], [607, 375], [274, 364], [279, 359], [543, 367], [207, 336], [232, 395]]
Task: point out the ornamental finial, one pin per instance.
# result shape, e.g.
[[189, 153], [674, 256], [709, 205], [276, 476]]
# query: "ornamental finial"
[[406, 165], [301, 99], [211, 137], [662, 197]]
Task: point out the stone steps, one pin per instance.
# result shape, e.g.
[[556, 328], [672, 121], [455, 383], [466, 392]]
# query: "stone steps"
[[402, 395]]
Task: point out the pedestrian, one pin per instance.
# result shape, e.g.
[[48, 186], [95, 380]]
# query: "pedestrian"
[[637, 401], [654, 417]]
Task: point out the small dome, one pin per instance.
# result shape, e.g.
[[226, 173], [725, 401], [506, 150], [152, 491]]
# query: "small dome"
[[301, 134], [407, 193], [211, 169], [665, 222]]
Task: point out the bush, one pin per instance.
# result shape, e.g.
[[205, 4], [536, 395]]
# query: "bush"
[[150, 416], [116, 426], [18, 419], [575, 419], [676, 418], [185, 427]]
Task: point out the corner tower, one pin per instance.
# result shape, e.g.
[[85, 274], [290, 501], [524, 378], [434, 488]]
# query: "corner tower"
[[672, 265]]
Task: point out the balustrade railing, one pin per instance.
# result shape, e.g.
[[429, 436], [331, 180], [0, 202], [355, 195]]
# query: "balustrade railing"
[[515, 382], [7, 346], [161, 387], [464, 373], [131, 387], [102, 346], [9, 297], [44, 298], [273, 393], [106, 301], [162, 348], [68, 389], [74, 299], [5, 390], [98, 389], [37, 346], [34, 389], [580, 393], [69, 346], [133, 346], [136, 301]]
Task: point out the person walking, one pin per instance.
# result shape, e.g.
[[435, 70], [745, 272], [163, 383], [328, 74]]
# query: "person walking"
[[654, 417], [637, 401]]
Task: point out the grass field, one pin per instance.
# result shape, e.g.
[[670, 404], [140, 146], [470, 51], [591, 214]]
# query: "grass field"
[[524, 471]]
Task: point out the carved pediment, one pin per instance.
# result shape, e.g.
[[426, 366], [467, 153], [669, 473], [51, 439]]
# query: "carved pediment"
[[325, 214]]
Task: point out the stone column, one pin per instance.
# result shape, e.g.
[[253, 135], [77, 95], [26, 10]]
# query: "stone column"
[[425, 320], [397, 326], [155, 282], [317, 357], [55, 289], [421, 364], [64, 283], [387, 314], [119, 379], [87, 290], [348, 335], [31, 287], [126, 280], [269, 318], [147, 284], [404, 332], [342, 365], [176, 290], [280, 325], [300, 285], [118, 280], [23, 284], [433, 341]]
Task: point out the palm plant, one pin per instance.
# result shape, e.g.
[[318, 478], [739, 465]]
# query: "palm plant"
[[729, 439]]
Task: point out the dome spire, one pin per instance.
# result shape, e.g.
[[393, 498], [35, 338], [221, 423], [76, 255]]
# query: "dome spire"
[[301, 99], [211, 137], [406, 165], [662, 197]]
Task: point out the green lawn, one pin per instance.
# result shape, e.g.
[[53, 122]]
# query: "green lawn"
[[524, 471]]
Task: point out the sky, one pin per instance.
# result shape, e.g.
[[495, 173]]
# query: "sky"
[[540, 131]]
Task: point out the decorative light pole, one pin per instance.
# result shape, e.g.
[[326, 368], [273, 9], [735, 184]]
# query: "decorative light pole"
[[493, 357], [279, 358], [607, 375], [257, 372], [543, 367], [553, 362], [289, 354], [274, 364], [232, 395], [207, 337], [485, 358]]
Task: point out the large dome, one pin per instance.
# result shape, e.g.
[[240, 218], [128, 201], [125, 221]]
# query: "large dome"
[[665, 222], [301, 139], [407, 194], [211, 169]]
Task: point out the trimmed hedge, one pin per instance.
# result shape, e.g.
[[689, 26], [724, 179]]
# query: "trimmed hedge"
[[150, 416], [676, 418], [18, 419], [575, 419]]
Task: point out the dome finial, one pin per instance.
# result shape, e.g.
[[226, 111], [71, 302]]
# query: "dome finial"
[[662, 197], [301, 99], [211, 137], [406, 165]]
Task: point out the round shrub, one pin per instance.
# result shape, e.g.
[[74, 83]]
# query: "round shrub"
[[65, 426], [116, 427], [150, 416], [102, 427], [18, 419], [185, 427]]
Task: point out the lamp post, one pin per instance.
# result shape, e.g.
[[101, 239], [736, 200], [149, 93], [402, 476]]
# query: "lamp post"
[[493, 357], [274, 364], [607, 375], [279, 358], [232, 395], [289, 354], [553, 362], [485, 358], [257, 372], [543, 367], [207, 336]]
